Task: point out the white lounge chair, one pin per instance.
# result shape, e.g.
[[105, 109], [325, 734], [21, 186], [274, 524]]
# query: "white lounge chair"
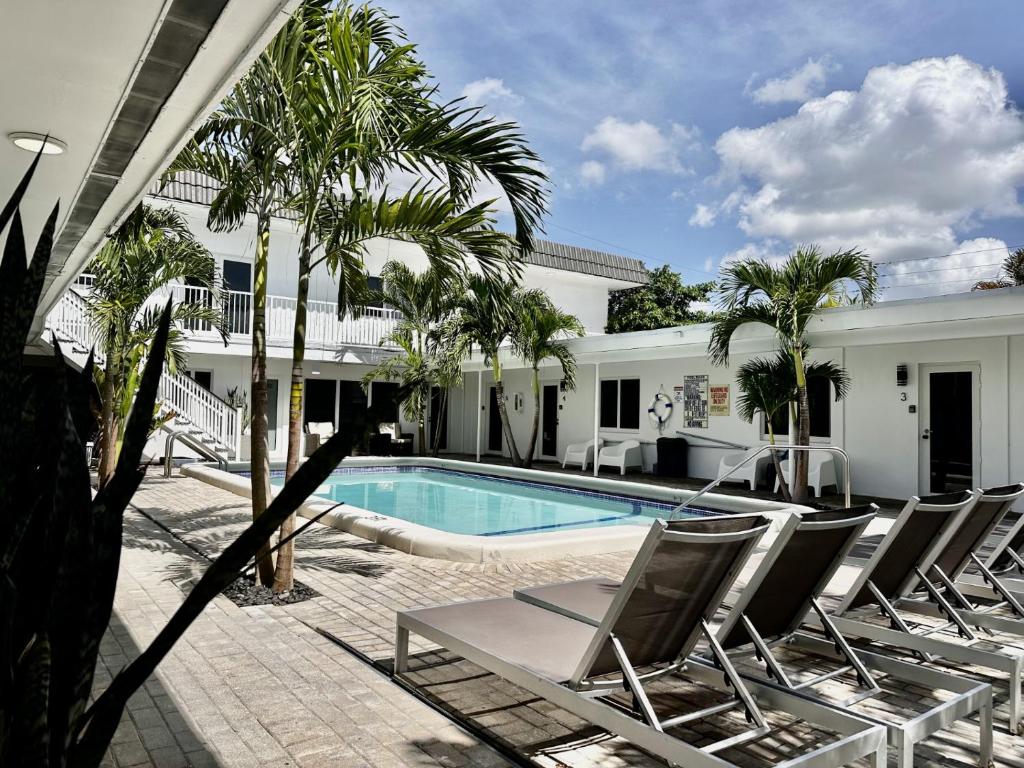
[[751, 473], [621, 455], [821, 472], [580, 453]]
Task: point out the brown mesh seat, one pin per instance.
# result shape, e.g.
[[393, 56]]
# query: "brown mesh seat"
[[777, 604], [985, 515], [908, 543]]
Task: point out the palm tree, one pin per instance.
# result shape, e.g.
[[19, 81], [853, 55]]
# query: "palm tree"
[[786, 298], [1012, 273], [538, 334], [768, 386], [152, 249], [244, 147], [369, 113], [485, 316], [366, 113], [424, 300]]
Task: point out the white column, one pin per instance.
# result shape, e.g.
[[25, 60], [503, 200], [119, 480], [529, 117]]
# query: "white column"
[[479, 409], [597, 411]]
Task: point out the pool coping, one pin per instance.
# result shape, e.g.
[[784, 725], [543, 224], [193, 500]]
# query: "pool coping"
[[415, 539]]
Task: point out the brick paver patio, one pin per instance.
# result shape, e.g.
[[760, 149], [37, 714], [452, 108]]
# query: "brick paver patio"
[[262, 687]]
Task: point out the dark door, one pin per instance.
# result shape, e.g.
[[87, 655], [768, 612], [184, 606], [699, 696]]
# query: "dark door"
[[352, 409], [494, 436], [320, 400], [238, 299], [549, 421], [438, 419], [950, 431]]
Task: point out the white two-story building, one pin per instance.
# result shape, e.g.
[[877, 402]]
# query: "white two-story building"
[[339, 352], [936, 402]]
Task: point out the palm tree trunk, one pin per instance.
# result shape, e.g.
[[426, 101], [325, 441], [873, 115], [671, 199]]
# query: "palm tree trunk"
[[284, 574], [506, 427], [109, 438], [259, 437], [783, 485], [803, 437], [532, 444]]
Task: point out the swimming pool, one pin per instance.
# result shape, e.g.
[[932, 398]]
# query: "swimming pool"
[[483, 505]]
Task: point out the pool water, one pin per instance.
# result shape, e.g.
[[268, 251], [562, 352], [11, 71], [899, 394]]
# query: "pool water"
[[480, 505]]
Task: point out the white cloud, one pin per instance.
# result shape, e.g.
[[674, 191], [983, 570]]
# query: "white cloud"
[[901, 167], [702, 217], [799, 84], [488, 90], [641, 146], [770, 250], [709, 264], [592, 173]]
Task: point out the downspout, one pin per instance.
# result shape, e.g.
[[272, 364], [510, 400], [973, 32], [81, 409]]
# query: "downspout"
[[597, 411], [479, 409]]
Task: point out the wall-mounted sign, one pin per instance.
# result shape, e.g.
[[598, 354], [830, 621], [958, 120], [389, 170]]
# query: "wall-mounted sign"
[[695, 402], [720, 400]]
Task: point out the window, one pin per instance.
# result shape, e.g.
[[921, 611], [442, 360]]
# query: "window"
[[620, 404], [374, 284], [819, 400]]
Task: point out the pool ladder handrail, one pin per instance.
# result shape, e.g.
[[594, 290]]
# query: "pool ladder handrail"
[[196, 445], [746, 460]]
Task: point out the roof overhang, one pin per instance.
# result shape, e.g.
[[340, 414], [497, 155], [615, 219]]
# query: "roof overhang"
[[124, 85]]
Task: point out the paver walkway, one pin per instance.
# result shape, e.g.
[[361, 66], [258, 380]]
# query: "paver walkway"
[[260, 686]]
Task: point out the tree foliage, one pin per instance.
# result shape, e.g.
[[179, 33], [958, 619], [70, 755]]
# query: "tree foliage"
[[663, 302], [1011, 273]]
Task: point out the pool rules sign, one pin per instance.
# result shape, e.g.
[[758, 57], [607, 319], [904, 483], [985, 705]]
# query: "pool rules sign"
[[695, 401]]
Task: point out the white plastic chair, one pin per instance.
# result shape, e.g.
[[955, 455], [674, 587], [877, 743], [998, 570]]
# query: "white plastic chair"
[[621, 455], [581, 453], [752, 473], [821, 472]]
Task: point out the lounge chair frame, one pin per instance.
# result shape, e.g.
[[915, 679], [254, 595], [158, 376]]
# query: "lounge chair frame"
[[583, 697], [969, 695], [928, 643]]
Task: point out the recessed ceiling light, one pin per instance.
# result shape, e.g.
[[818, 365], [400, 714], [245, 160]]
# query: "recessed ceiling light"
[[34, 142]]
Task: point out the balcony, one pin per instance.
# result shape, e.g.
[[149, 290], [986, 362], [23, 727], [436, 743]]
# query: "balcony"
[[323, 326]]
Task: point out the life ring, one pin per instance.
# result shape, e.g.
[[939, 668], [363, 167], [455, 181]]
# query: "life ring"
[[660, 410]]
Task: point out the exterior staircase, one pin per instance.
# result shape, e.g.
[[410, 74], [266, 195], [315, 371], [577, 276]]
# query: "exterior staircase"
[[204, 421]]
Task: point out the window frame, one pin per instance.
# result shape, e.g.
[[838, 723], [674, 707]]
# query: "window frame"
[[618, 404], [815, 439]]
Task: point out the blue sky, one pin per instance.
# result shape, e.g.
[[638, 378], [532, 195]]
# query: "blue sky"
[[689, 132]]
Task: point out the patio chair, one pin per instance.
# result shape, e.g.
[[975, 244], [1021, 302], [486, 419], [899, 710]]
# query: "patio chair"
[[752, 473], [771, 612], [623, 455], [821, 471], [401, 442], [317, 433], [917, 540], [580, 453], [957, 553], [651, 625]]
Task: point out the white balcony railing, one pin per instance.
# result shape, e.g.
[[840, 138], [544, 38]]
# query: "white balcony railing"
[[323, 326]]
